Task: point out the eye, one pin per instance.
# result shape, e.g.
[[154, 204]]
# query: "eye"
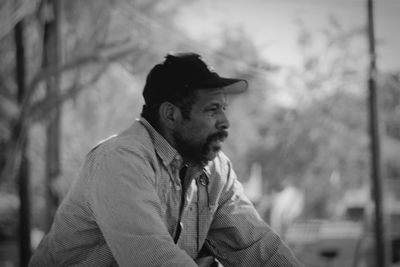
[[215, 109], [212, 111]]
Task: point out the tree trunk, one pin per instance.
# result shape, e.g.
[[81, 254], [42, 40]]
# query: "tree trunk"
[[20, 137], [51, 60]]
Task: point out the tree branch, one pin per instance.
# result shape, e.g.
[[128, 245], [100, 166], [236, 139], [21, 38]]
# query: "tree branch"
[[12, 14], [43, 107]]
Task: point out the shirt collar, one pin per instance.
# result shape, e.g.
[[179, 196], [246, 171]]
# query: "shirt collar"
[[167, 153], [207, 169]]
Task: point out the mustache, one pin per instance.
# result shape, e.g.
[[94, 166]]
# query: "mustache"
[[221, 135]]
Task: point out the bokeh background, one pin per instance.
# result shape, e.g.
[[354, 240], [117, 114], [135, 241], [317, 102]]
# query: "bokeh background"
[[72, 73]]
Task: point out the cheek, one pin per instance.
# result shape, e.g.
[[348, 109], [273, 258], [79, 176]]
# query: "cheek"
[[204, 124], [198, 131], [196, 134]]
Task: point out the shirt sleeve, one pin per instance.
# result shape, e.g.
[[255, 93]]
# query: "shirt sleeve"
[[129, 214], [238, 235]]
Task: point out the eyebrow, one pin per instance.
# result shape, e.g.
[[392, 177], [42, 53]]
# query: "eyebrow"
[[216, 104]]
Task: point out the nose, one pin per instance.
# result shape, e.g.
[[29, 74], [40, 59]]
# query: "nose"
[[223, 122]]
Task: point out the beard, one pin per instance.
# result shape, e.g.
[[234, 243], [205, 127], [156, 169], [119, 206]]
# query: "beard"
[[213, 142], [200, 152]]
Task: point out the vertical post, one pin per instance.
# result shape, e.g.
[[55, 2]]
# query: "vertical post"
[[380, 246], [20, 136], [51, 58]]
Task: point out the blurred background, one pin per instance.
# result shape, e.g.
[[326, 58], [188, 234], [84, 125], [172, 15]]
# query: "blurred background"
[[316, 140]]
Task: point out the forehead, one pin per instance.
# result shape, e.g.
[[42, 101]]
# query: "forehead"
[[204, 96]]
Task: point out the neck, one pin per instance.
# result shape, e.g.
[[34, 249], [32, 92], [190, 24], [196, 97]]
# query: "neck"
[[167, 134]]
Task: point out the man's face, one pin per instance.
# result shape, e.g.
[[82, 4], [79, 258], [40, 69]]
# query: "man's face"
[[200, 137]]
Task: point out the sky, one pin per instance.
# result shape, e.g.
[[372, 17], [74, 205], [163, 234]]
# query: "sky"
[[274, 24]]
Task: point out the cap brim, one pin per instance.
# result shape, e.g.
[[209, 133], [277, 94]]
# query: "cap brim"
[[231, 86]]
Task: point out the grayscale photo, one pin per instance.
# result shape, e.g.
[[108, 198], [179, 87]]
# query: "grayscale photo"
[[211, 133]]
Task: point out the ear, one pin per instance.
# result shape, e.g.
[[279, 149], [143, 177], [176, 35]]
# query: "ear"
[[169, 114]]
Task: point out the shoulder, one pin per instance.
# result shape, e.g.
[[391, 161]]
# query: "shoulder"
[[134, 138], [133, 144], [221, 164], [220, 169]]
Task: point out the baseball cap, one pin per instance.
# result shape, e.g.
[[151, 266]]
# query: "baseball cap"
[[182, 73]]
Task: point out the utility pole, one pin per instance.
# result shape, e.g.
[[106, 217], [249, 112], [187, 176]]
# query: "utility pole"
[[20, 136], [380, 245]]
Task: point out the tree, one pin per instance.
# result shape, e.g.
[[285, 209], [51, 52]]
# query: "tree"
[[307, 144], [102, 82], [20, 140], [90, 47], [321, 143]]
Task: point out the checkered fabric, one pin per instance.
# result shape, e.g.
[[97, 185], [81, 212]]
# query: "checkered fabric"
[[124, 207]]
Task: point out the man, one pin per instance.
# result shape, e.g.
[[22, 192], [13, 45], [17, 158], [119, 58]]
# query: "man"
[[162, 193]]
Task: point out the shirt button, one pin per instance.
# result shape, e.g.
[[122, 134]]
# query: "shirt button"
[[203, 180]]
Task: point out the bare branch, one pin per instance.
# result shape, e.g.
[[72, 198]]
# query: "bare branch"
[[102, 56], [41, 109], [12, 13]]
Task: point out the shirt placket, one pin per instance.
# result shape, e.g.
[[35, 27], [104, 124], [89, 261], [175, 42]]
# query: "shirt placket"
[[191, 217], [175, 167]]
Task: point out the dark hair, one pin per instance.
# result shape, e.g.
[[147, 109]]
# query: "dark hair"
[[184, 102]]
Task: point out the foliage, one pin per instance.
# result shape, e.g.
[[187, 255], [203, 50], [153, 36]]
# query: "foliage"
[[94, 35], [321, 143]]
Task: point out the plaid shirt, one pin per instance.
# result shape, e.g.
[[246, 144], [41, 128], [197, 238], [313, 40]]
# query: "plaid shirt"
[[125, 209]]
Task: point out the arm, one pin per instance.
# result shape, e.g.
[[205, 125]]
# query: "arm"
[[239, 237], [128, 211]]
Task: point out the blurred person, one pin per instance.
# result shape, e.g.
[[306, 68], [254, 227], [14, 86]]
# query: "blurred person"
[[162, 193]]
